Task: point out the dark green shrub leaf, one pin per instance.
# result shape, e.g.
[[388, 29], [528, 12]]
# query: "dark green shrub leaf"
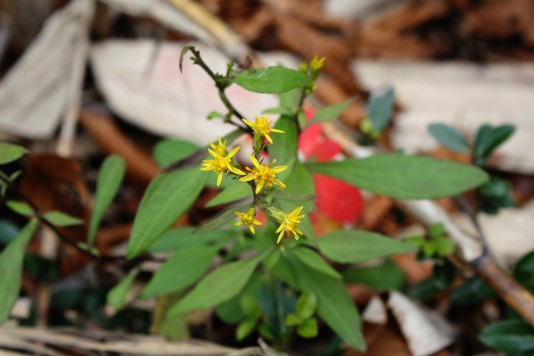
[[230, 194], [61, 219], [117, 295], [19, 207], [404, 177], [168, 151], [180, 271], [315, 261], [488, 138], [308, 329], [108, 182], [351, 246], [217, 287], [494, 195], [11, 269], [380, 108], [330, 112], [10, 152], [508, 336], [449, 137], [472, 291], [524, 271], [442, 277], [385, 276], [168, 196], [8, 231], [271, 80]]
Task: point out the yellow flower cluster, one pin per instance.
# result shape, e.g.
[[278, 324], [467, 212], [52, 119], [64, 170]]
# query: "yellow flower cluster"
[[261, 175]]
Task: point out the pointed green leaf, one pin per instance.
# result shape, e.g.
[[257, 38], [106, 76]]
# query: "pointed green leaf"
[[271, 80], [449, 137], [107, 184], [168, 196], [330, 112], [293, 320], [245, 328], [380, 107], [10, 152], [19, 207], [335, 306], [385, 276], [219, 286], [221, 219], [180, 271], [61, 219], [315, 261], [182, 237], [117, 296], [168, 151], [230, 194], [351, 246], [512, 336], [11, 269], [404, 177]]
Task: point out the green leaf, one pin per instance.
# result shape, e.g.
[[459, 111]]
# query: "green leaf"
[[449, 137], [117, 296], [330, 112], [471, 292], [271, 80], [183, 237], [10, 152], [380, 108], [443, 276], [8, 231], [508, 336], [284, 147], [300, 182], [293, 320], [306, 305], [168, 151], [217, 287], [245, 328], [20, 208], [335, 306], [233, 193], [180, 271], [351, 246], [404, 177], [168, 196], [309, 329], [488, 138], [524, 270], [108, 182], [385, 276], [61, 219], [315, 261], [221, 219], [11, 269]]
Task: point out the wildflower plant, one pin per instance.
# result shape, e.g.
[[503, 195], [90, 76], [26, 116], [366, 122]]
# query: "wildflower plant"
[[275, 277]]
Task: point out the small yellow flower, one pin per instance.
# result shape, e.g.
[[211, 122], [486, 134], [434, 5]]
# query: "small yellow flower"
[[249, 219], [316, 63], [290, 225], [222, 161], [262, 127], [263, 175]]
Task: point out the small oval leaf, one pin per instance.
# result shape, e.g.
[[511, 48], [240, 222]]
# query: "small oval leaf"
[[10, 152], [61, 219], [449, 137]]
